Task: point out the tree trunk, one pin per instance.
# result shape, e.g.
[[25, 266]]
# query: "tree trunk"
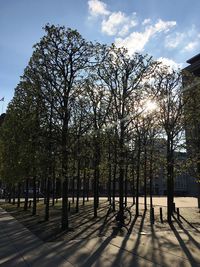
[[109, 173], [13, 194], [65, 219], [133, 180], [9, 193], [53, 185], [145, 177], [73, 178], [114, 177], [26, 194], [34, 196], [38, 190], [96, 173], [198, 182], [121, 173], [65, 215], [73, 188], [138, 177], [47, 197], [78, 183], [126, 185], [84, 184], [151, 178], [18, 195], [170, 178], [45, 187], [88, 188]]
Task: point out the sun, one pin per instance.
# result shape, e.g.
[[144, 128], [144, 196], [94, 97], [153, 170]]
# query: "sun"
[[150, 106]]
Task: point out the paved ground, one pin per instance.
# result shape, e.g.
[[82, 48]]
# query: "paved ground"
[[157, 201], [179, 246]]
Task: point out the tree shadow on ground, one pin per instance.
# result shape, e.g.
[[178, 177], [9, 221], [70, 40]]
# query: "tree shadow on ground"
[[190, 224], [187, 233], [182, 243], [93, 258], [125, 240]]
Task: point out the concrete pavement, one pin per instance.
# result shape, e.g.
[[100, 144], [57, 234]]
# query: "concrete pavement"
[[19, 247]]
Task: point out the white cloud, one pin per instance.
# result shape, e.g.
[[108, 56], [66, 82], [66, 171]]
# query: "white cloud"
[[118, 23], [175, 40], [97, 8], [192, 40], [191, 46], [162, 25], [184, 42], [146, 21], [124, 30], [136, 41], [170, 63]]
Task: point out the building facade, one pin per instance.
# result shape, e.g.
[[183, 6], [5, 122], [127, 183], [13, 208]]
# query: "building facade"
[[191, 89]]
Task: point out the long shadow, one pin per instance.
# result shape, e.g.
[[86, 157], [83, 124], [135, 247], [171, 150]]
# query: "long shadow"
[[139, 232], [71, 250], [184, 247], [106, 221], [134, 250], [96, 255], [77, 235], [50, 231], [19, 244], [156, 239], [187, 233], [191, 225], [123, 245]]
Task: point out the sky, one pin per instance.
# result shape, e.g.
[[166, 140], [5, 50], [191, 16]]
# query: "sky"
[[165, 29]]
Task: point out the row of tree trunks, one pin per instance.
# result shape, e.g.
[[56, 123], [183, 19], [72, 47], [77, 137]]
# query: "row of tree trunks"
[[96, 173], [65, 189], [121, 166]]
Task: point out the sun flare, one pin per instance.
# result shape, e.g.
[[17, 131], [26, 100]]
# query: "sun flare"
[[150, 106]]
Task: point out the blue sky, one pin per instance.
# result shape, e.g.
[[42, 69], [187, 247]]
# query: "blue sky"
[[168, 30]]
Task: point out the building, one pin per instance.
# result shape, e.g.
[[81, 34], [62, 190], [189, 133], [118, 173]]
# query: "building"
[[182, 179], [191, 87], [194, 65]]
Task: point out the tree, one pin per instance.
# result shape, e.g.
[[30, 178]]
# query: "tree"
[[59, 64], [168, 88], [124, 77], [99, 108]]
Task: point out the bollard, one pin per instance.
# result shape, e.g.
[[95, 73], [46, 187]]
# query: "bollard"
[[29, 203], [69, 206], [174, 207], [161, 215], [178, 214], [152, 215]]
